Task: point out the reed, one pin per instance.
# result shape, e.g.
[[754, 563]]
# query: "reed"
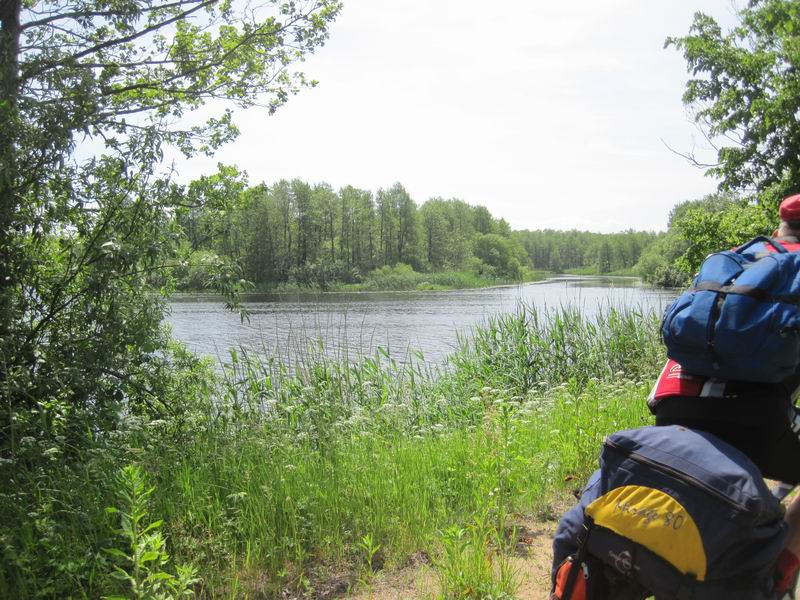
[[290, 475]]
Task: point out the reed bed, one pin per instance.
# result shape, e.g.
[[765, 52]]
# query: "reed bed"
[[276, 478]]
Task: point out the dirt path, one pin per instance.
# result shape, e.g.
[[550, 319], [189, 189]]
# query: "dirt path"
[[418, 581]]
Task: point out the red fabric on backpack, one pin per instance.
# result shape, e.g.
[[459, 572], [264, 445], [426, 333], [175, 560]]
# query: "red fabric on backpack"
[[578, 592], [674, 381], [786, 571], [790, 246]]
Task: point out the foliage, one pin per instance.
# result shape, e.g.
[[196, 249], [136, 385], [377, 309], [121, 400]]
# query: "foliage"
[[696, 229], [398, 277], [565, 251], [656, 264], [208, 212], [141, 564], [312, 236], [323, 275], [467, 569], [91, 96], [292, 235], [81, 342], [55, 487], [86, 333], [289, 467], [712, 229], [745, 93], [503, 255], [448, 228], [198, 270]]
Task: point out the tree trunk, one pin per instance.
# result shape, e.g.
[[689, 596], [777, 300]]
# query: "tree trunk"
[[9, 65]]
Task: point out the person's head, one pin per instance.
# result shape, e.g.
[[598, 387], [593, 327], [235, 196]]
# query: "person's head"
[[790, 216]]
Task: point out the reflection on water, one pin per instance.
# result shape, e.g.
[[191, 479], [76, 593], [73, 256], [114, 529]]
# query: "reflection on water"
[[353, 324]]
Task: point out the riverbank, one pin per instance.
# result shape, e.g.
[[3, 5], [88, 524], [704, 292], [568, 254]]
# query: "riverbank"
[[393, 279], [595, 272], [266, 483]]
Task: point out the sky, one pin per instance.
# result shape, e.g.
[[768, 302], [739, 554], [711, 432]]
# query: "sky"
[[553, 115]]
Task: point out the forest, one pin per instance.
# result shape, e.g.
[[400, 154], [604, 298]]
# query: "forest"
[[298, 234]]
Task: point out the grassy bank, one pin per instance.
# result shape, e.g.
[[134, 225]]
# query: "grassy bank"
[[403, 278], [269, 483], [595, 271]]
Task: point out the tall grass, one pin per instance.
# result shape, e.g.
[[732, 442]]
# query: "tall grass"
[[530, 347], [403, 277], [278, 480]]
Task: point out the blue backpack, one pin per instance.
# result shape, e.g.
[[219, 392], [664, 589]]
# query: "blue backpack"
[[672, 512], [740, 319]]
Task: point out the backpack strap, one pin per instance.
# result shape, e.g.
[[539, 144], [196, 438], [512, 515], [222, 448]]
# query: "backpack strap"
[[687, 588], [745, 290], [580, 556], [764, 239]]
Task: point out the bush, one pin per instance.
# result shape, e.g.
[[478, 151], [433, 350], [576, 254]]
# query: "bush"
[[504, 255], [399, 277], [323, 274]]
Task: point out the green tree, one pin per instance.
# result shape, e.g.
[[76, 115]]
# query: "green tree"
[[211, 209], [79, 239], [407, 226], [504, 255], [358, 220], [301, 200], [484, 222], [657, 263], [327, 205], [387, 219], [436, 234], [745, 93], [604, 257], [709, 226], [461, 232]]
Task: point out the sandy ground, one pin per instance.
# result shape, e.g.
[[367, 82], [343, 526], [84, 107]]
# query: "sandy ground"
[[418, 581]]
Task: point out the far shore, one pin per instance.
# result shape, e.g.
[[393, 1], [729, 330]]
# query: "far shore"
[[310, 291]]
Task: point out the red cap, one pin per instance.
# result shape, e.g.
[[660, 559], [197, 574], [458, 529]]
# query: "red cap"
[[790, 208]]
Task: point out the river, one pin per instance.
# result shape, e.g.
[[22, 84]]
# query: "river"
[[352, 324]]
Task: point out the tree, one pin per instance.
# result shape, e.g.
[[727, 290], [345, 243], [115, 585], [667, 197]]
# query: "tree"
[[709, 226], [484, 222], [504, 255], [745, 93], [407, 226], [209, 209], [435, 232], [79, 239], [604, 262], [387, 217], [657, 262]]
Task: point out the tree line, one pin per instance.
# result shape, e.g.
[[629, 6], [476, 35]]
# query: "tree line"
[[560, 251], [313, 235]]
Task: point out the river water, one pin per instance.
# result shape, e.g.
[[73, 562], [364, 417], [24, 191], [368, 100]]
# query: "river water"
[[347, 325]]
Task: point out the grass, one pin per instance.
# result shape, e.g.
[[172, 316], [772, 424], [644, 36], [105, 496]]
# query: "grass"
[[403, 278], [594, 270], [285, 478]]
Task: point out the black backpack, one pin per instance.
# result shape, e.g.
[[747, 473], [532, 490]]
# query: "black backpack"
[[673, 513]]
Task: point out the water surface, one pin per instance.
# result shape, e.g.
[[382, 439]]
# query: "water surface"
[[353, 324]]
